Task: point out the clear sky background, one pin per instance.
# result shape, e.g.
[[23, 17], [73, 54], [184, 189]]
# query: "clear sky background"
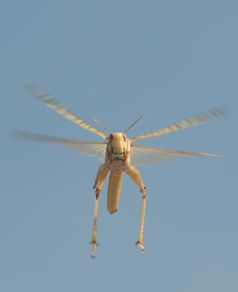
[[113, 60]]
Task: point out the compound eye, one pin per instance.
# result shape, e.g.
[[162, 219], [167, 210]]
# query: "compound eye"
[[111, 137]]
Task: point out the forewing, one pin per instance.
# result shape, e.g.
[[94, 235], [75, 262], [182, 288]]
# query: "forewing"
[[201, 118], [60, 109], [97, 149], [141, 155]]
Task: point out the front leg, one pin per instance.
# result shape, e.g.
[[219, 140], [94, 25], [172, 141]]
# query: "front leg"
[[99, 181], [135, 176]]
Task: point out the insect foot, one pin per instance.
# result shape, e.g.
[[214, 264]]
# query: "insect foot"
[[140, 244], [94, 245]]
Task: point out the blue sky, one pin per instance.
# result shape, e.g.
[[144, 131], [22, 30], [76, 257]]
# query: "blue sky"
[[113, 60]]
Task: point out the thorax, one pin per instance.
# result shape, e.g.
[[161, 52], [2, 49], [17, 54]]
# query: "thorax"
[[118, 151]]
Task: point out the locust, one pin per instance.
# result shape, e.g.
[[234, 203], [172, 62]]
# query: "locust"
[[119, 154]]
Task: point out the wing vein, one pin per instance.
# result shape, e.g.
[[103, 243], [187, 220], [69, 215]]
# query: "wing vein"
[[201, 118], [60, 109], [141, 154], [97, 149]]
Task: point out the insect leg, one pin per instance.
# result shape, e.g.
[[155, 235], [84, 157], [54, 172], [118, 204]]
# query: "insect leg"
[[135, 176], [99, 181]]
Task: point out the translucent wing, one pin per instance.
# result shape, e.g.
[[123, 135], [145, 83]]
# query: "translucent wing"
[[195, 120], [97, 149], [140, 154], [60, 109]]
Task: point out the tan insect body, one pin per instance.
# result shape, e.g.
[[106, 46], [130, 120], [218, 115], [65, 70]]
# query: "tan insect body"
[[119, 154]]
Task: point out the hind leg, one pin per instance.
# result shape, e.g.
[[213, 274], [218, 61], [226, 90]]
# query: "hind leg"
[[135, 176], [99, 181]]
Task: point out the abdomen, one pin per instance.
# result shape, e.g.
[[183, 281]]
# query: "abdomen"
[[113, 193]]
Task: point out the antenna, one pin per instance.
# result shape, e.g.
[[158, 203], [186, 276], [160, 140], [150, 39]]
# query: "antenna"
[[102, 126], [137, 120]]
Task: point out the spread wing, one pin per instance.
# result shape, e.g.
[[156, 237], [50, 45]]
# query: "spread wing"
[[201, 118], [141, 155], [97, 149], [60, 109]]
